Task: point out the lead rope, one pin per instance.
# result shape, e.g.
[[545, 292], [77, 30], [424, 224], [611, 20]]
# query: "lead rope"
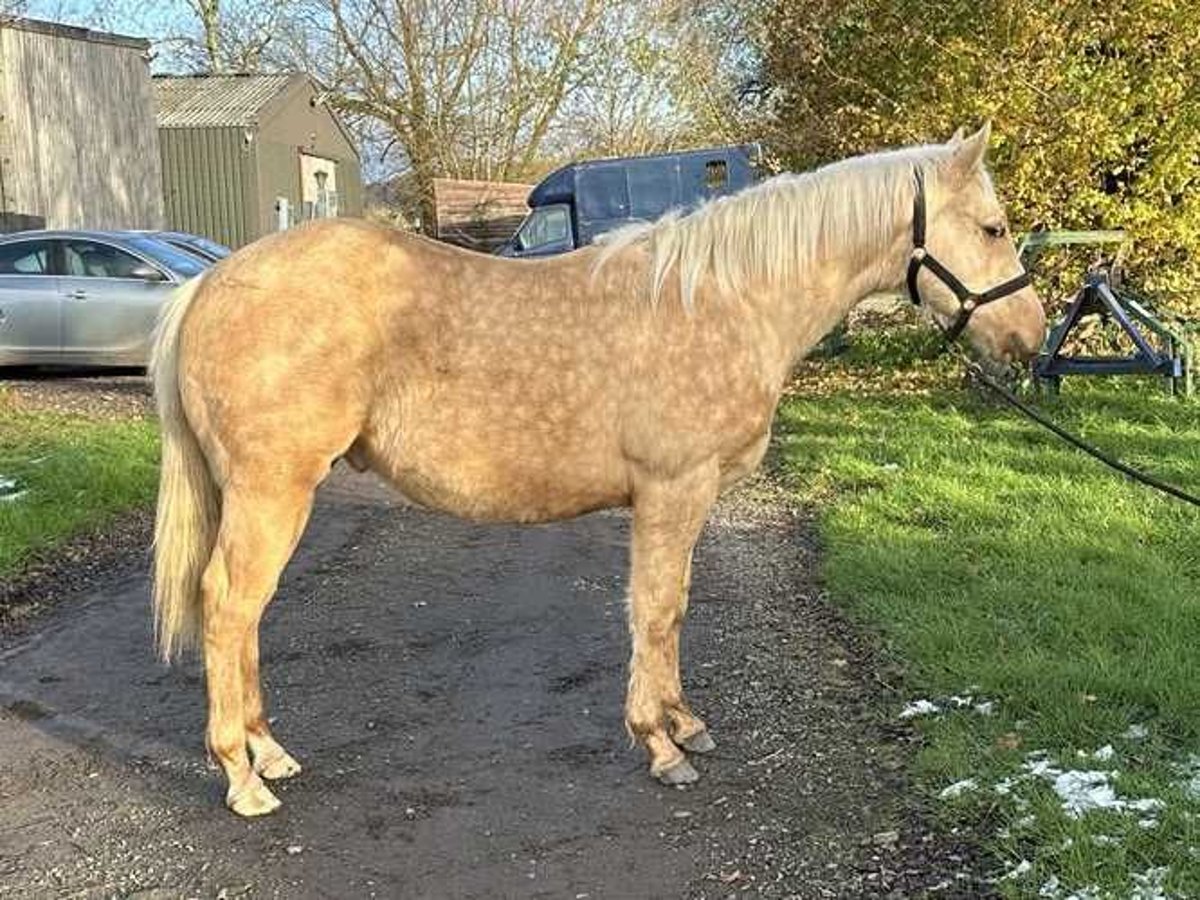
[[976, 372]]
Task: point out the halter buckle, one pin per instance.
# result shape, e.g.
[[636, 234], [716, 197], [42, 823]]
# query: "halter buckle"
[[919, 253]]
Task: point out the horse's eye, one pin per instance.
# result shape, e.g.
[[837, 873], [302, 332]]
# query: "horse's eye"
[[996, 231]]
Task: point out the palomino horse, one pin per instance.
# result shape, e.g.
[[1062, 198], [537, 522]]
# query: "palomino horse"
[[644, 372]]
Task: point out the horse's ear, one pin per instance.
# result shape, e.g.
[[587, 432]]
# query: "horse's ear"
[[969, 152], [957, 137]]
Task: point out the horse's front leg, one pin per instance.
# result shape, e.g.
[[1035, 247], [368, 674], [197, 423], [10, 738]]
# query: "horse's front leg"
[[667, 517]]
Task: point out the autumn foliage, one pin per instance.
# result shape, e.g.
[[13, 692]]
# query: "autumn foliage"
[[1096, 106]]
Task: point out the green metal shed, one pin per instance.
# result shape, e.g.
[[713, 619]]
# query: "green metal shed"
[[245, 155]]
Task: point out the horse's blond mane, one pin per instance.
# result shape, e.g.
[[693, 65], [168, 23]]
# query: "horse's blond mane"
[[773, 231]]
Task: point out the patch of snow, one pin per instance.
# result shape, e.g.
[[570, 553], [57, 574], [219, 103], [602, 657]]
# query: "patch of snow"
[[1136, 732], [1041, 767], [919, 708], [1149, 884], [1021, 869], [1006, 786], [1191, 772], [1049, 887], [946, 704], [10, 490], [1104, 840], [1083, 791], [1146, 805], [958, 789], [1105, 753]]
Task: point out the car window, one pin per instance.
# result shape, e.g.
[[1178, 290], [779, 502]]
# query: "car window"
[[203, 244], [178, 261], [548, 225], [220, 251], [91, 259], [25, 258]]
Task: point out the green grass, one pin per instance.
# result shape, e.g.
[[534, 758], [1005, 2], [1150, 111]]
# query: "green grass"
[[77, 474], [995, 560]]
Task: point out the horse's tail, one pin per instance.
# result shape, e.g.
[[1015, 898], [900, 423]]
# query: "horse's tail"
[[188, 500]]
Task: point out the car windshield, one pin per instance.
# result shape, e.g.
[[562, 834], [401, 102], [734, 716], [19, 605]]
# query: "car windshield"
[[176, 260]]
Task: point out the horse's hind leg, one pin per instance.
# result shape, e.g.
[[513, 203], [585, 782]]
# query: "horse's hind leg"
[[667, 519], [258, 532], [267, 755], [269, 758]]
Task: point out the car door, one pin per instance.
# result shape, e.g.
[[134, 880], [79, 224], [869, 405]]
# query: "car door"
[[30, 304], [111, 300]]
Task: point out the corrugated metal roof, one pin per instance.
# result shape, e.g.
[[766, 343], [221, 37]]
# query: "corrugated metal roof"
[[231, 100]]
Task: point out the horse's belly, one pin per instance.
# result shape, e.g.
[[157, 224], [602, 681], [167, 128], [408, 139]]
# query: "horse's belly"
[[499, 479]]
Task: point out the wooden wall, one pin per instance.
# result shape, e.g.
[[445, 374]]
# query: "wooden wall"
[[78, 141], [480, 215]]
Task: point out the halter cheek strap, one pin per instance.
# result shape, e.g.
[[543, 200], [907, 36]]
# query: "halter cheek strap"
[[968, 300]]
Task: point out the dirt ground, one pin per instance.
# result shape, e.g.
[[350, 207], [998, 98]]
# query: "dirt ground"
[[454, 692], [98, 393]]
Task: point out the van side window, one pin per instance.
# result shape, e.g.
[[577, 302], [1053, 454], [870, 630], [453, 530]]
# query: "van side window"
[[716, 174]]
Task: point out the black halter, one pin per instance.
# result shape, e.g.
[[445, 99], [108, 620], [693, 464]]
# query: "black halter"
[[968, 301]]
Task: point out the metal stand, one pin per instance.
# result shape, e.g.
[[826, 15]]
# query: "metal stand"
[[1173, 362]]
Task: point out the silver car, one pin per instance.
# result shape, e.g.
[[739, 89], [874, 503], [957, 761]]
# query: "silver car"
[[88, 298]]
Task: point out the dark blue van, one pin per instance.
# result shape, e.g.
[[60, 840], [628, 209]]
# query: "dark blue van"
[[574, 205]]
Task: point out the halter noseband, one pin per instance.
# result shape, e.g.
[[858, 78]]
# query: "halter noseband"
[[968, 301]]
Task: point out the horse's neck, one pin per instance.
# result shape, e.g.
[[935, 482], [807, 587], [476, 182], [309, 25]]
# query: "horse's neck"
[[803, 313]]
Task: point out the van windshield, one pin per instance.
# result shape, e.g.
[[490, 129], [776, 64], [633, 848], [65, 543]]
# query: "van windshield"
[[545, 226]]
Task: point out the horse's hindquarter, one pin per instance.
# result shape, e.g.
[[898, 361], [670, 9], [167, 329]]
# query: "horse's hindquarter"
[[531, 391]]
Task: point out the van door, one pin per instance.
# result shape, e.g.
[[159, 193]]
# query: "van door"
[[602, 198], [653, 188]]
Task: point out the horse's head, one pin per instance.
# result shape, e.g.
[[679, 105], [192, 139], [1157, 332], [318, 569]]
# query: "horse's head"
[[966, 240]]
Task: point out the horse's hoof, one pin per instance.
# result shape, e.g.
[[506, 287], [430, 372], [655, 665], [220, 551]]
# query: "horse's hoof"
[[255, 799], [280, 765], [700, 742], [681, 772]]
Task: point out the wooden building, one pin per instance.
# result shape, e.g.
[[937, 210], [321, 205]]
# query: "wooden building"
[[245, 155], [78, 146], [480, 215]]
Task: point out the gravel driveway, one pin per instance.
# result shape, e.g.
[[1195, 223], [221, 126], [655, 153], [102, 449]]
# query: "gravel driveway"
[[100, 393], [455, 694]]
